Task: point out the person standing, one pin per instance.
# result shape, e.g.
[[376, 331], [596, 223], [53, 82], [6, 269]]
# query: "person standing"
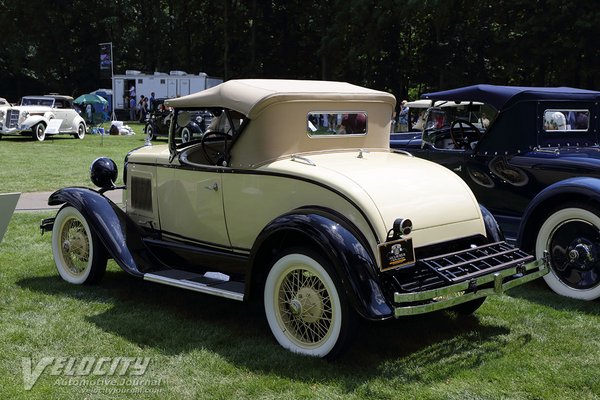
[[89, 112], [151, 102], [132, 109], [142, 107], [403, 117]]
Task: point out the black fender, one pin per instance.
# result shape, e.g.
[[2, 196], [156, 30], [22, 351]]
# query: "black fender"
[[582, 188], [492, 229], [344, 246], [194, 127], [121, 237]]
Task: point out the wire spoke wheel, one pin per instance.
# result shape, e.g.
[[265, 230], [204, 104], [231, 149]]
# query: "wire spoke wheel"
[[78, 253], [306, 311], [305, 307], [75, 247]]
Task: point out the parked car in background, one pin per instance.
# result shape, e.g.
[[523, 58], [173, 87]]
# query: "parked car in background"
[[34, 113], [159, 119], [531, 156], [291, 197], [4, 105]]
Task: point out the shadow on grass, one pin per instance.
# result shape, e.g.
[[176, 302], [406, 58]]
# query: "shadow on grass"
[[173, 321], [29, 138], [538, 292]]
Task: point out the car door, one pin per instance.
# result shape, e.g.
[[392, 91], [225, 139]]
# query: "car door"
[[62, 112], [190, 202]]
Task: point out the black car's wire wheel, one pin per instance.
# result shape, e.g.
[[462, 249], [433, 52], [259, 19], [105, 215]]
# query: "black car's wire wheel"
[[571, 235]]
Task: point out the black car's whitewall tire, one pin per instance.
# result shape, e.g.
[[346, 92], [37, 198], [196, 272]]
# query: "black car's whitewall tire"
[[306, 310], [186, 135], [572, 237], [78, 253], [150, 132]]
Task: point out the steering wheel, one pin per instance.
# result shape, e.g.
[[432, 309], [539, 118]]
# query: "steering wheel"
[[219, 156], [460, 140]]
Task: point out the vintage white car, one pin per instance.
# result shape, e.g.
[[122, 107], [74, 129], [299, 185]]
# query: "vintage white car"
[[292, 197], [34, 114], [4, 105]]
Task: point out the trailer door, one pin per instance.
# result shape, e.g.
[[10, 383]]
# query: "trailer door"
[[171, 88], [118, 94], [184, 87]]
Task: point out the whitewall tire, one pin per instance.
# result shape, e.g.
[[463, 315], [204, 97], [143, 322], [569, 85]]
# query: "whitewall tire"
[[39, 132], [78, 253], [572, 237], [150, 132], [186, 135], [305, 308], [80, 131]]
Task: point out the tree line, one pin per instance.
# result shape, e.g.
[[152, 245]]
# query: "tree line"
[[405, 47]]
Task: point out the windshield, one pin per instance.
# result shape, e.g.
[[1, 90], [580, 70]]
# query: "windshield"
[[37, 101], [189, 126], [455, 126]]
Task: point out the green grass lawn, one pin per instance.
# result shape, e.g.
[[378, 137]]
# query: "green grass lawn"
[[531, 344], [59, 161]]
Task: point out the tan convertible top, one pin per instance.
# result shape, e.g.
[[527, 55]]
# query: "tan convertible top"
[[251, 96]]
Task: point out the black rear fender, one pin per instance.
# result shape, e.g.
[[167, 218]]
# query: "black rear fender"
[[335, 238]]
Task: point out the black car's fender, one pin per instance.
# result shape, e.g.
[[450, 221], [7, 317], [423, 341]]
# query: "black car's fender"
[[492, 229], [337, 239], [120, 236], [572, 189]]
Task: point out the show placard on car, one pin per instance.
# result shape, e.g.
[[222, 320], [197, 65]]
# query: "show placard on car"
[[395, 254], [53, 126]]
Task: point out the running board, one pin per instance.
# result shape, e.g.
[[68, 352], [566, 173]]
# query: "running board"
[[210, 283]]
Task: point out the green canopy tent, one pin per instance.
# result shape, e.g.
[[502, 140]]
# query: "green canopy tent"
[[99, 107]]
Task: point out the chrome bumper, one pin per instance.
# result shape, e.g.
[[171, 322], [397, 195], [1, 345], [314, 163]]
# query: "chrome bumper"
[[495, 283]]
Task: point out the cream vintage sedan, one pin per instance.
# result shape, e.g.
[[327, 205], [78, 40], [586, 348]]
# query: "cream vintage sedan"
[[35, 114], [292, 197]]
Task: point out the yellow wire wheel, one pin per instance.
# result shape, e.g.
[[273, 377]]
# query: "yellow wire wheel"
[[303, 305]]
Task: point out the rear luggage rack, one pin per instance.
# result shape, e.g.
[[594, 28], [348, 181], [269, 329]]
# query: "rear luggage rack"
[[454, 278], [471, 263]]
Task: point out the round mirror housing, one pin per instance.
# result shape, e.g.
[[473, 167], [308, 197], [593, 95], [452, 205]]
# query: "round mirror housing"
[[104, 172]]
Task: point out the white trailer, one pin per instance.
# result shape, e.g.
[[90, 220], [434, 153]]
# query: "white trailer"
[[173, 84]]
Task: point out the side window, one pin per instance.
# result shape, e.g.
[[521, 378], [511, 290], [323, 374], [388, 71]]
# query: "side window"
[[566, 120], [322, 123]]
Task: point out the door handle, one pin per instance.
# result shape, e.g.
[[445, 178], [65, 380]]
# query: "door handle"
[[214, 187]]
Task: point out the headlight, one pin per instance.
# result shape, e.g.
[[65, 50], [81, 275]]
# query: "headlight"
[[1, 113], [24, 114]]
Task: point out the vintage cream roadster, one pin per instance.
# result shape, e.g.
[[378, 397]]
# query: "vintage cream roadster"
[[292, 197]]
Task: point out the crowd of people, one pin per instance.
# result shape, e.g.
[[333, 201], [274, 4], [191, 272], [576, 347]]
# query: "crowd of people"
[[139, 108]]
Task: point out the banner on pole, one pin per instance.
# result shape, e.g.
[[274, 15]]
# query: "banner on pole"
[[106, 60]]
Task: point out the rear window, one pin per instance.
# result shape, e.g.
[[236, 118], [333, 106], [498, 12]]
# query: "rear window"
[[323, 123], [556, 120]]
